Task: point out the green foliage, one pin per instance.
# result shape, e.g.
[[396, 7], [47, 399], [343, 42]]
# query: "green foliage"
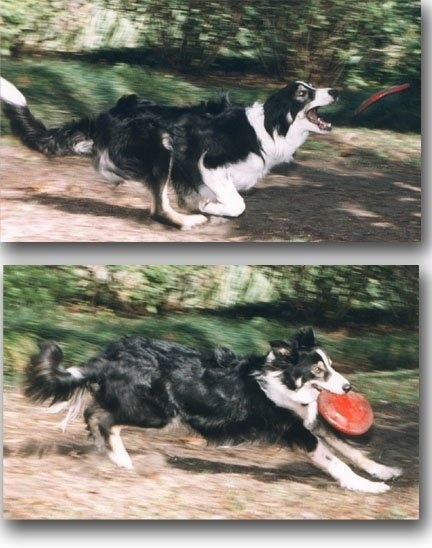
[[350, 42], [37, 288], [99, 87], [318, 294], [360, 46], [238, 306], [334, 293], [191, 34]]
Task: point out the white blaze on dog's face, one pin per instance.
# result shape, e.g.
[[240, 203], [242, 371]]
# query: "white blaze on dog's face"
[[324, 377]]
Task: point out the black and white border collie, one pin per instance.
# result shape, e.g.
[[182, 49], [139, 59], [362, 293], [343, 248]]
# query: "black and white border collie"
[[209, 152], [227, 399]]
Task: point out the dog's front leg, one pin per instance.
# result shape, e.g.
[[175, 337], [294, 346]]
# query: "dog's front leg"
[[324, 459], [373, 468]]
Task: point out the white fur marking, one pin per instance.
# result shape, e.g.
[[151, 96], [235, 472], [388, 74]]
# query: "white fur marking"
[[323, 458], [107, 168], [325, 358], [164, 209], [233, 176], [270, 357], [118, 453], [373, 468], [75, 372], [73, 407], [10, 94], [166, 141], [336, 381], [296, 400], [276, 148], [84, 147], [225, 200]]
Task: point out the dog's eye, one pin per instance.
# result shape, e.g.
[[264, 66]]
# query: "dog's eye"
[[317, 370]]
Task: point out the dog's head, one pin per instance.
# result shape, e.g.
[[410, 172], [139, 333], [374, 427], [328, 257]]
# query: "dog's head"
[[298, 103], [297, 370]]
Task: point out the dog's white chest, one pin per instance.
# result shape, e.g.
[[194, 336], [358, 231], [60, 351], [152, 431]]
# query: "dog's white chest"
[[303, 402]]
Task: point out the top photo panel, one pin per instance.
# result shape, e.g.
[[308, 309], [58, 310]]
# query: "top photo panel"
[[169, 121]]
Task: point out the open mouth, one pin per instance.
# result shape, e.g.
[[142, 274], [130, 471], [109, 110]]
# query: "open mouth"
[[312, 116]]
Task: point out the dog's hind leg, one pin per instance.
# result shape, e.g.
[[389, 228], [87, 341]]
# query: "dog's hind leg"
[[116, 450], [373, 468], [223, 198], [162, 211], [107, 435]]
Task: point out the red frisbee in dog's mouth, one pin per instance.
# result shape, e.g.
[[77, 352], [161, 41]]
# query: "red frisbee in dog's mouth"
[[349, 413]]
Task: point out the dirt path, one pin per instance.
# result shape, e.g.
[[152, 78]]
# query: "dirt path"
[[53, 475], [313, 200]]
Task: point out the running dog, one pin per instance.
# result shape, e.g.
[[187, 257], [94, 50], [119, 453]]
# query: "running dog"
[[227, 399], [208, 152]]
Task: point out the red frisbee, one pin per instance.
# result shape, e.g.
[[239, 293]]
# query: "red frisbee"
[[379, 95], [349, 413]]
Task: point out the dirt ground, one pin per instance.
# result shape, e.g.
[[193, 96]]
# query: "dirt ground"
[[312, 200], [53, 475]]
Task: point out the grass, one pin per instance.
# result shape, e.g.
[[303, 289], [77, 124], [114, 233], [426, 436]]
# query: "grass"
[[25, 328], [400, 386], [382, 365]]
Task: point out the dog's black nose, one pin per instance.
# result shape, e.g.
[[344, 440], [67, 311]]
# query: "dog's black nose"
[[334, 93], [346, 387]]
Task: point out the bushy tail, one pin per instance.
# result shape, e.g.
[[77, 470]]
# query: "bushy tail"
[[71, 138], [47, 378]]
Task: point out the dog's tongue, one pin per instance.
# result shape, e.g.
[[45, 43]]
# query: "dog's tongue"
[[349, 413]]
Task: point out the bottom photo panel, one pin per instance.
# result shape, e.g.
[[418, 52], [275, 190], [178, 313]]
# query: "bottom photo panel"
[[231, 392]]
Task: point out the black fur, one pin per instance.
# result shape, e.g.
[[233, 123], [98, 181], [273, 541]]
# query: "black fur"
[[163, 144], [144, 382], [226, 398]]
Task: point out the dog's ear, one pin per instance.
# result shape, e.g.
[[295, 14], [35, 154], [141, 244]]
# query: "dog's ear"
[[276, 110], [281, 349], [305, 338]]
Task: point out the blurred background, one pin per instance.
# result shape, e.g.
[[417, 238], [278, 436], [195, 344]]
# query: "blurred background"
[[367, 316], [92, 52]]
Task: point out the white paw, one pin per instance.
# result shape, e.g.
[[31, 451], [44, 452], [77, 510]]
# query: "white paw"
[[365, 486], [122, 460], [209, 207], [385, 472], [232, 208], [191, 221]]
